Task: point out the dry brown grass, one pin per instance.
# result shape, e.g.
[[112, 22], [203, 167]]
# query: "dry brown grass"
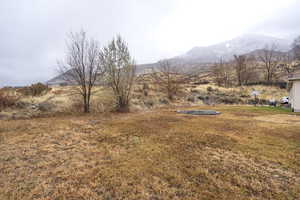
[[146, 95], [152, 155]]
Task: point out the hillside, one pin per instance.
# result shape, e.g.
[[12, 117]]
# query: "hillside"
[[240, 45], [202, 58], [199, 90]]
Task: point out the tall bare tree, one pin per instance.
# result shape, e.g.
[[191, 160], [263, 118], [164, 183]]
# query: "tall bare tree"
[[120, 71], [251, 73], [245, 68], [270, 59], [240, 68], [221, 73], [82, 66], [169, 78], [288, 64]]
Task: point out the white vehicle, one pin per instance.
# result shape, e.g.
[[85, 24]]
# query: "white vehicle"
[[285, 100]]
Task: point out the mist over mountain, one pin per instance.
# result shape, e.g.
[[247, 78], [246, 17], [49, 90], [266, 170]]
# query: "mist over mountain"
[[202, 57], [240, 45]]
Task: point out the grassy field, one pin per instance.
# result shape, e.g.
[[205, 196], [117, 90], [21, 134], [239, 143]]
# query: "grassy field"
[[244, 153]]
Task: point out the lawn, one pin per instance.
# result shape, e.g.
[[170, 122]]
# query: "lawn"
[[244, 153]]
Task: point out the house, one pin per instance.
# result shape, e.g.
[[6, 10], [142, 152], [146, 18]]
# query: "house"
[[294, 88]]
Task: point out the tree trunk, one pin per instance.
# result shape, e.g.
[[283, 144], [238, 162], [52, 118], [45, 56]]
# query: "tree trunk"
[[86, 105], [123, 105]]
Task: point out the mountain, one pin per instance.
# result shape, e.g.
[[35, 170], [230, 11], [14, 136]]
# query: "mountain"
[[240, 45], [58, 80], [202, 58]]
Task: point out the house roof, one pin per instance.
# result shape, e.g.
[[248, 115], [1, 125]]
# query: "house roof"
[[294, 77]]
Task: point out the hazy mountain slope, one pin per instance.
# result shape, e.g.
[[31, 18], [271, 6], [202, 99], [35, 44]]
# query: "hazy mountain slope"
[[201, 58], [240, 45]]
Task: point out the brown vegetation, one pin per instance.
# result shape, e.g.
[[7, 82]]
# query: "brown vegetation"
[[222, 74], [270, 62], [244, 153], [34, 90], [268, 66], [7, 100], [119, 71], [152, 155], [82, 66], [169, 78], [245, 69]]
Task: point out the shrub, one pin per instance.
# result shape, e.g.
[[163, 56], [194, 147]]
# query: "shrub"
[[245, 95], [209, 89], [195, 90], [63, 84], [37, 89], [214, 99], [191, 99], [164, 101], [104, 103], [146, 86], [24, 91], [264, 102], [253, 101], [7, 101], [203, 82], [203, 98], [231, 100], [149, 103], [280, 84], [258, 101], [59, 92], [46, 106]]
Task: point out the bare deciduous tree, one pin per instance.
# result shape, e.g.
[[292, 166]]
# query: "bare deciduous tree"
[[251, 74], [270, 60], [120, 71], [240, 68], [169, 78], [288, 64], [81, 66], [222, 73], [244, 67]]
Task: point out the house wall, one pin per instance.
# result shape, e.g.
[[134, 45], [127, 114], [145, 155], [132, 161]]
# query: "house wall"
[[295, 96], [291, 96]]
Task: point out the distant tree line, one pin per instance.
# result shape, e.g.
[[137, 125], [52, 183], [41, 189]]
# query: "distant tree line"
[[265, 66]]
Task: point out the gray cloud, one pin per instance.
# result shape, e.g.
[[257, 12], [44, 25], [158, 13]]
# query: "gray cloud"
[[33, 33], [284, 23]]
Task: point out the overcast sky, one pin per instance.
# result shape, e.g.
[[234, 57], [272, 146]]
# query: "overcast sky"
[[33, 32]]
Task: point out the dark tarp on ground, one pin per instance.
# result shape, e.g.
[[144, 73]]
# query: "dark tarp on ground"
[[199, 112]]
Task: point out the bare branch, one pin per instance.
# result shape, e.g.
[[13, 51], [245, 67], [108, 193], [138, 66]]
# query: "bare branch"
[[82, 66], [120, 71], [169, 78]]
